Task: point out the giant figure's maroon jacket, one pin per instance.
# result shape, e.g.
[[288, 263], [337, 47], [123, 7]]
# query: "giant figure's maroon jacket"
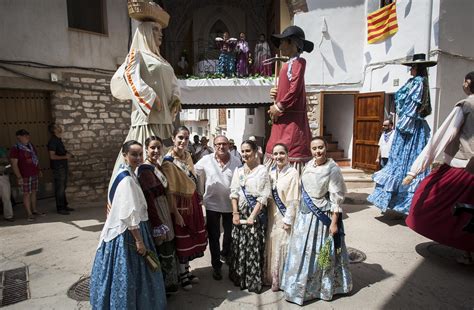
[[292, 128]]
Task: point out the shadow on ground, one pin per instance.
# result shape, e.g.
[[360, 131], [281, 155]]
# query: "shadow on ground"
[[424, 285], [355, 202], [210, 294], [83, 212], [392, 218], [363, 276]]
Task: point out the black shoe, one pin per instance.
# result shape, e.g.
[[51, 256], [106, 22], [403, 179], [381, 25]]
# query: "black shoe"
[[185, 282], [217, 274], [63, 212], [171, 290], [69, 209], [192, 278], [225, 259], [11, 219]]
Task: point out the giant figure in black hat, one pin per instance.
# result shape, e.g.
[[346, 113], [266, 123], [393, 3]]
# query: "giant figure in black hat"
[[290, 123], [411, 135]]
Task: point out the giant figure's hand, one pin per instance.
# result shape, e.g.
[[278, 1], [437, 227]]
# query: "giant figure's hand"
[[273, 93], [274, 113]]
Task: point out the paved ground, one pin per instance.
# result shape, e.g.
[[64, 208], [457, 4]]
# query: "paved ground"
[[402, 271]]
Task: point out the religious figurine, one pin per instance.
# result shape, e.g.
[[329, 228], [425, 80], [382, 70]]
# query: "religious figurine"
[[262, 52], [226, 64], [242, 56]]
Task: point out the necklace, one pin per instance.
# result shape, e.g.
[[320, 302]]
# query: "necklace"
[[180, 157], [248, 169], [315, 164]]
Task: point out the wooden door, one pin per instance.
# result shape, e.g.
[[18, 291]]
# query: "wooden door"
[[368, 118], [28, 110]]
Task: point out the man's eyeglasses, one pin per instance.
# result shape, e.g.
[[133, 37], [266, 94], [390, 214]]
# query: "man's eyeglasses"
[[221, 144]]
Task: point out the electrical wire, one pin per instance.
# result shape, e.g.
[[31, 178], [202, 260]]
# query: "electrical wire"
[[60, 84], [33, 64]]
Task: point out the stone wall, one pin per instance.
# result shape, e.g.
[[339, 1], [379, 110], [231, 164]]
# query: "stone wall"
[[314, 113], [95, 126]]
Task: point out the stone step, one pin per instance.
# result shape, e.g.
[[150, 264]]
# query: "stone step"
[[335, 154], [328, 138], [332, 146], [355, 178], [343, 162]]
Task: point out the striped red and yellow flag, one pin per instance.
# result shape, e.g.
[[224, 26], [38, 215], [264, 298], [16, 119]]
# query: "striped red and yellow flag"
[[382, 23]]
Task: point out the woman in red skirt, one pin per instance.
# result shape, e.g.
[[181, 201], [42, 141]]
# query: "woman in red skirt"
[[431, 213], [191, 237]]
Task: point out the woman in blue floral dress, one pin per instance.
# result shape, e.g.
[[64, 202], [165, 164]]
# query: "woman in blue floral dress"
[[318, 234], [121, 278], [411, 135]]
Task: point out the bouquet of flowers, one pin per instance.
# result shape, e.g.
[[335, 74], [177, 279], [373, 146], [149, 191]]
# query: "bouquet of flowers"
[[151, 259], [324, 258]]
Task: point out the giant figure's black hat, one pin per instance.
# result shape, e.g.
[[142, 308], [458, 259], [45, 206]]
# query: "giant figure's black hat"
[[419, 59], [293, 32]]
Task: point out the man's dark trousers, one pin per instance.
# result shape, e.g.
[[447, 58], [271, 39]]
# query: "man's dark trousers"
[[214, 231], [60, 173]]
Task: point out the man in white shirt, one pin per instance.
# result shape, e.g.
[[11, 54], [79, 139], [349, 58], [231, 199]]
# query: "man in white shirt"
[[215, 173], [385, 143]]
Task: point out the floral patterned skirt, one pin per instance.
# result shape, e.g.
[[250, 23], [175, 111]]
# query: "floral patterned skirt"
[[120, 277], [247, 254], [302, 278]]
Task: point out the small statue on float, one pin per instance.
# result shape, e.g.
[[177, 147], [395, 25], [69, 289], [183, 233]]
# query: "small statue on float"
[[242, 56], [226, 64]]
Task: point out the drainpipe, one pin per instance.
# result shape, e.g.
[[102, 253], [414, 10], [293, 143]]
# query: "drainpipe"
[[430, 17], [434, 89]]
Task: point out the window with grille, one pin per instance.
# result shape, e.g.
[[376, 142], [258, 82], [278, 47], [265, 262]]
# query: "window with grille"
[[87, 15]]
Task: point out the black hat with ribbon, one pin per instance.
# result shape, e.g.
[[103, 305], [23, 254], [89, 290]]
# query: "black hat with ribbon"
[[293, 32], [420, 59]]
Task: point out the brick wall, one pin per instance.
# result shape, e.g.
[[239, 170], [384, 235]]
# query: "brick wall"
[[314, 113], [95, 126]]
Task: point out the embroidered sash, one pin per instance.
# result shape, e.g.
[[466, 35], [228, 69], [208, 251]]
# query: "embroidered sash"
[[313, 208], [161, 177], [252, 201], [324, 218], [281, 206], [117, 181], [181, 166]]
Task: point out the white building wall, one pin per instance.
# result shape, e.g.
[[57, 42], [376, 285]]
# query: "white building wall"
[[239, 127], [195, 120], [236, 124], [426, 26], [38, 31], [455, 26], [418, 32], [214, 122], [337, 55]]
